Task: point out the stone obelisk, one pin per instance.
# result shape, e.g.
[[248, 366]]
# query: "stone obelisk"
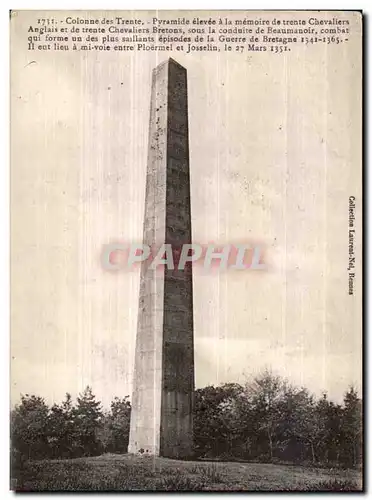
[[163, 385]]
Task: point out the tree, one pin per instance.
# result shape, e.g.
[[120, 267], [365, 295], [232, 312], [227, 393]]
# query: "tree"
[[29, 427], [301, 425], [61, 429], [88, 420], [216, 424], [118, 425], [352, 426], [266, 395]]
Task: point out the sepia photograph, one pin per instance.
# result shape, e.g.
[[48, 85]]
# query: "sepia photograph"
[[186, 225]]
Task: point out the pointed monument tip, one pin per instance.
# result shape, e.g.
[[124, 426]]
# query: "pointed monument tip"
[[168, 61], [173, 61]]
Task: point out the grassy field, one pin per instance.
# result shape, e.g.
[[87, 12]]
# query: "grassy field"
[[126, 472]]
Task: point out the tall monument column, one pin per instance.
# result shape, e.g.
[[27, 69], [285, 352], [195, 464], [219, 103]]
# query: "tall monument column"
[[163, 385]]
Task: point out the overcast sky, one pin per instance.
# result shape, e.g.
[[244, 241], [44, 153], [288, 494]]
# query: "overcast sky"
[[275, 152]]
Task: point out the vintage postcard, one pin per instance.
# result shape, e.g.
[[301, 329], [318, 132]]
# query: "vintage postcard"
[[186, 250]]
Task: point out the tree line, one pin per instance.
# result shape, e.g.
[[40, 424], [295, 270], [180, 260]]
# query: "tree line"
[[69, 430], [266, 420]]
